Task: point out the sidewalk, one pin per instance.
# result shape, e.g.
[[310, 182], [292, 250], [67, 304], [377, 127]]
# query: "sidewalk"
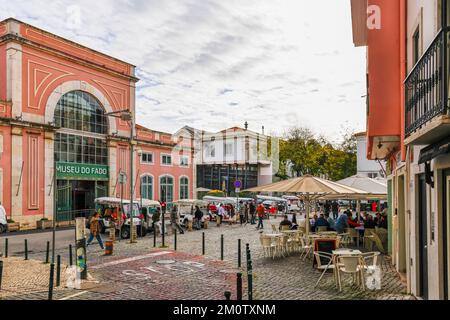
[[26, 276]]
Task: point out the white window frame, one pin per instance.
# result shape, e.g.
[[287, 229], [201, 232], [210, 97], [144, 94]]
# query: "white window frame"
[[148, 152], [188, 162], [229, 149], [165, 164], [180, 185], [153, 184]]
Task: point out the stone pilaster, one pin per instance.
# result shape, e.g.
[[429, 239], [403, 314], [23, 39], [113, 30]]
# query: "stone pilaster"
[[112, 159], [49, 169], [16, 171]]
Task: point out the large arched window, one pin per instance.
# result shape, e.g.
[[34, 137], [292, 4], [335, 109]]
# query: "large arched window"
[[147, 187], [166, 188], [81, 111], [184, 188]]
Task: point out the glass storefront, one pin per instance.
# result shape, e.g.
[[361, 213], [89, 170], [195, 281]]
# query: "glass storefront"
[[81, 154]]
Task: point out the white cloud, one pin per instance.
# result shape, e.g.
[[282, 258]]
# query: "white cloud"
[[214, 64]]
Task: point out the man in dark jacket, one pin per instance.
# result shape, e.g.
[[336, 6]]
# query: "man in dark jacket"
[[198, 217]]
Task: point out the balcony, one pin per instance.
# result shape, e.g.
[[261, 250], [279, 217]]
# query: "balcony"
[[427, 117]]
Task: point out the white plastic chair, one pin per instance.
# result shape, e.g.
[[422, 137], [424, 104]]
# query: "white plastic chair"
[[325, 267], [353, 265]]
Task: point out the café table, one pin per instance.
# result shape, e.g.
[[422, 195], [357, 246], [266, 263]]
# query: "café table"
[[342, 252]]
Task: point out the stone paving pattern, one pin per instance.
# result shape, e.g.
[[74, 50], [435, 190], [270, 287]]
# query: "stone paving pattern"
[[287, 278]]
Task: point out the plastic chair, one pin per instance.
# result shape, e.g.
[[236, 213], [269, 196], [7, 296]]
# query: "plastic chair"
[[370, 259], [274, 228], [325, 267], [268, 246], [353, 265], [306, 247], [321, 229]]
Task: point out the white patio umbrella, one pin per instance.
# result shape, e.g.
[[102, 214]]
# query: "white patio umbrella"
[[309, 188]]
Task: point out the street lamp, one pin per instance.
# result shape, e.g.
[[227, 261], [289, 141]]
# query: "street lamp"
[[126, 115]]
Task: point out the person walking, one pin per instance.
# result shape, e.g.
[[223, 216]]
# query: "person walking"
[[220, 214], [335, 209], [198, 218], [252, 210], [241, 212], [260, 212], [94, 227], [247, 210]]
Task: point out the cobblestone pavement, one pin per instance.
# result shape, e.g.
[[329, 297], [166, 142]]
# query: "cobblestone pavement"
[[190, 275], [24, 277]]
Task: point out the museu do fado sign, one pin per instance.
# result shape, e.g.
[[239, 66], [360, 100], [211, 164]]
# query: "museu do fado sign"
[[81, 171]]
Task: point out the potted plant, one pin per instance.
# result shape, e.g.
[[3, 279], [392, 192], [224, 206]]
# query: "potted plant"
[[12, 225], [44, 223]]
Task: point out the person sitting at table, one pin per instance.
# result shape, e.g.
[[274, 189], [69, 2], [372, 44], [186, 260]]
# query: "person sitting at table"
[[321, 222], [312, 222], [351, 223], [381, 221], [285, 222], [341, 224], [330, 221], [369, 223]]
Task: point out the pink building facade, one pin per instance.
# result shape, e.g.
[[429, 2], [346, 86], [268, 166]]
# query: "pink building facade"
[[55, 101]]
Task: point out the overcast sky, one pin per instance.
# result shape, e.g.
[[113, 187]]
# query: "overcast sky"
[[213, 64]]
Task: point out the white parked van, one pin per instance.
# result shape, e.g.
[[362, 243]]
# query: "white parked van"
[[3, 220]]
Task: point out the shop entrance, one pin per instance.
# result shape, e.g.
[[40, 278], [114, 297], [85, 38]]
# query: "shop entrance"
[[423, 238], [76, 197]]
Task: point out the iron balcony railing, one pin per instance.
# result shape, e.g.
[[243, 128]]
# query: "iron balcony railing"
[[426, 87]]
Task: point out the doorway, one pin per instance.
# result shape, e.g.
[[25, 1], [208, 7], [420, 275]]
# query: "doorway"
[[423, 238], [401, 240], [446, 227]]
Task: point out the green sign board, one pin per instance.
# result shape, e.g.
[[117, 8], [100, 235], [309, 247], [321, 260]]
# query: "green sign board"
[[81, 171]]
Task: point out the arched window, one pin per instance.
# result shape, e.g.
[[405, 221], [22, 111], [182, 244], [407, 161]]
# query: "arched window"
[[80, 111], [184, 188], [147, 187], [166, 188]]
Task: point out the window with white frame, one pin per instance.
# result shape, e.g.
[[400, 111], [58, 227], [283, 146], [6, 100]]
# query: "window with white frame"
[[166, 188], [147, 187], [147, 157], [184, 188], [166, 159], [228, 149], [210, 150], [184, 161]]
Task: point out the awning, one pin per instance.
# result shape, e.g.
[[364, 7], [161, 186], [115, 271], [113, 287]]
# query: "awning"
[[440, 148]]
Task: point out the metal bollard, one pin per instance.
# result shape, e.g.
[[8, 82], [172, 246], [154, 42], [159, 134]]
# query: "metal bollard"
[[154, 236], [175, 239], [221, 247], [50, 282], [239, 286], [239, 253], [26, 249], [6, 247], [47, 253], [70, 255], [250, 281], [203, 243], [227, 295], [1, 273], [58, 270]]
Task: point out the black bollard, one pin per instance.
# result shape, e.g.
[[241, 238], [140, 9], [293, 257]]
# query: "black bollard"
[[203, 243], [47, 252], [175, 239], [154, 236], [6, 247], [239, 253], [221, 247], [239, 286], [50, 282], [58, 270], [250, 280], [70, 255], [1, 273], [26, 249], [247, 252], [227, 295]]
